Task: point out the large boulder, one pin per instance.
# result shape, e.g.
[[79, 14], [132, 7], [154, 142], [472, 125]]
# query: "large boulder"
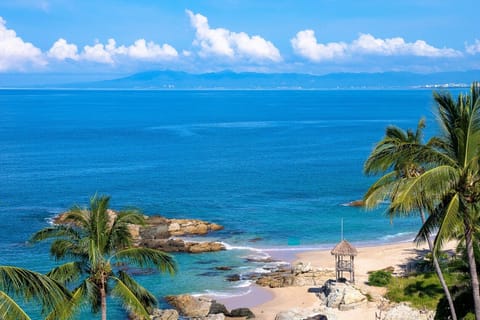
[[341, 295], [169, 314], [242, 312], [190, 306]]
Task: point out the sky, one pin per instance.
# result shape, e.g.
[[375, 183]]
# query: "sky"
[[199, 36]]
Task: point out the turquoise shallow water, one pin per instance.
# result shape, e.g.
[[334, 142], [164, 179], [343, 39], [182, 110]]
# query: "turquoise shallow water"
[[269, 165]]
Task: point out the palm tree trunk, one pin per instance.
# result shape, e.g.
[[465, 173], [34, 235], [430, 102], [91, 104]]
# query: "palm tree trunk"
[[103, 297], [473, 271], [438, 270]]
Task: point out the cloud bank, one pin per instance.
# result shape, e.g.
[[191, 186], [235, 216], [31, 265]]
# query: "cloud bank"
[[233, 45], [16, 54], [109, 53], [305, 44]]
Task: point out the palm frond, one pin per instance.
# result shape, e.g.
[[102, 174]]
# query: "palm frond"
[[436, 182], [56, 231], [67, 272], [10, 310], [146, 257], [32, 285], [130, 293], [381, 190]]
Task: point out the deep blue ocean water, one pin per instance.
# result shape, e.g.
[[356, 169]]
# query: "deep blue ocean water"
[[270, 165]]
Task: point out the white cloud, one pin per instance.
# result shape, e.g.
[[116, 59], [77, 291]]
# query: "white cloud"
[[62, 50], [368, 44], [306, 45], [233, 45], [99, 53], [16, 54], [151, 51], [109, 53], [473, 48]]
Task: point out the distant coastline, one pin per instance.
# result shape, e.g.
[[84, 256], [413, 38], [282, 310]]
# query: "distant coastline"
[[228, 80]]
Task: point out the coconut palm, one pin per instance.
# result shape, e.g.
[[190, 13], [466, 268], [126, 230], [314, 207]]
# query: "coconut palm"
[[392, 157], [99, 240], [451, 183], [19, 282]]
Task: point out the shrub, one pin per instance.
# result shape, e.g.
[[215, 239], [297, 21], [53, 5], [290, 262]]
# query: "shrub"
[[379, 278]]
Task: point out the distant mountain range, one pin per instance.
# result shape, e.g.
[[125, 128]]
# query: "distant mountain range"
[[251, 80]]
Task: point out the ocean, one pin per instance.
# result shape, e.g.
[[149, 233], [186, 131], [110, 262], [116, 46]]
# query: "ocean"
[[275, 168]]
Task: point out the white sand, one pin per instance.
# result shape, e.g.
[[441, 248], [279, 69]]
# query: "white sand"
[[368, 259]]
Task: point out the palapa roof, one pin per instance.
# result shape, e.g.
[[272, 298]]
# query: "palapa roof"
[[344, 248]]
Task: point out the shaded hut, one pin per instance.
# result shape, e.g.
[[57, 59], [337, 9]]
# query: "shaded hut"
[[344, 257]]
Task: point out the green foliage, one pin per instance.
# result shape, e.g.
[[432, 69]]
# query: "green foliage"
[[380, 278], [98, 240], [463, 301], [422, 290], [27, 285]]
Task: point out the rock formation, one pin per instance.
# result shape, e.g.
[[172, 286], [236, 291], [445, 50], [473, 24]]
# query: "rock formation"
[[158, 233], [341, 295], [299, 275], [202, 308]]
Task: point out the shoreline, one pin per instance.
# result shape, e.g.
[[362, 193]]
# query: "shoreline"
[[267, 302]]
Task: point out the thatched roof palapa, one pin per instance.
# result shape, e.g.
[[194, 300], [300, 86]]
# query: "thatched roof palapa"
[[344, 248]]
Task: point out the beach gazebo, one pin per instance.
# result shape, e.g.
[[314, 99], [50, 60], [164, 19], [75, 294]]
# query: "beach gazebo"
[[344, 254]]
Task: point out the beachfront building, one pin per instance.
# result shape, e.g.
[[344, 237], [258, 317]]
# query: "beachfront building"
[[344, 254]]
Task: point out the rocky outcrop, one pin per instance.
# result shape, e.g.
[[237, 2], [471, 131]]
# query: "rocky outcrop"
[[179, 245], [403, 311], [202, 308], [159, 314], [301, 275], [341, 295], [315, 313], [158, 233], [190, 306]]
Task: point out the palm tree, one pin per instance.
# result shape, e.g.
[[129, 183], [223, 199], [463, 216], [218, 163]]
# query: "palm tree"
[[29, 285], [451, 180], [392, 157], [98, 241]]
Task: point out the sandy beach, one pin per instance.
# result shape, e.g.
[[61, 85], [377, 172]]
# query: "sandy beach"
[[267, 302]]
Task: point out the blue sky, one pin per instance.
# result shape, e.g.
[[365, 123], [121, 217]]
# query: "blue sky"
[[308, 36]]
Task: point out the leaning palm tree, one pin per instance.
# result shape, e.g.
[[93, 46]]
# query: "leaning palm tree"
[[392, 157], [98, 241], [451, 183], [28, 285]]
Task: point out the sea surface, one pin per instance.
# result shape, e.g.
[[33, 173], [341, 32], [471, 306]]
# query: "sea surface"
[[274, 167]]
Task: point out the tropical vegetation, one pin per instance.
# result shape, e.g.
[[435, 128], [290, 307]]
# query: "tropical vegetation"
[[440, 178], [28, 285], [98, 246]]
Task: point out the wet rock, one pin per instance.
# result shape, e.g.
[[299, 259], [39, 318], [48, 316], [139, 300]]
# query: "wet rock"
[[217, 308], [223, 268], [233, 277], [242, 312]]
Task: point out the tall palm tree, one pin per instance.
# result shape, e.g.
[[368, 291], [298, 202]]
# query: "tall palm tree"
[[451, 183], [98, 240], [392, 157], [19, 282]]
